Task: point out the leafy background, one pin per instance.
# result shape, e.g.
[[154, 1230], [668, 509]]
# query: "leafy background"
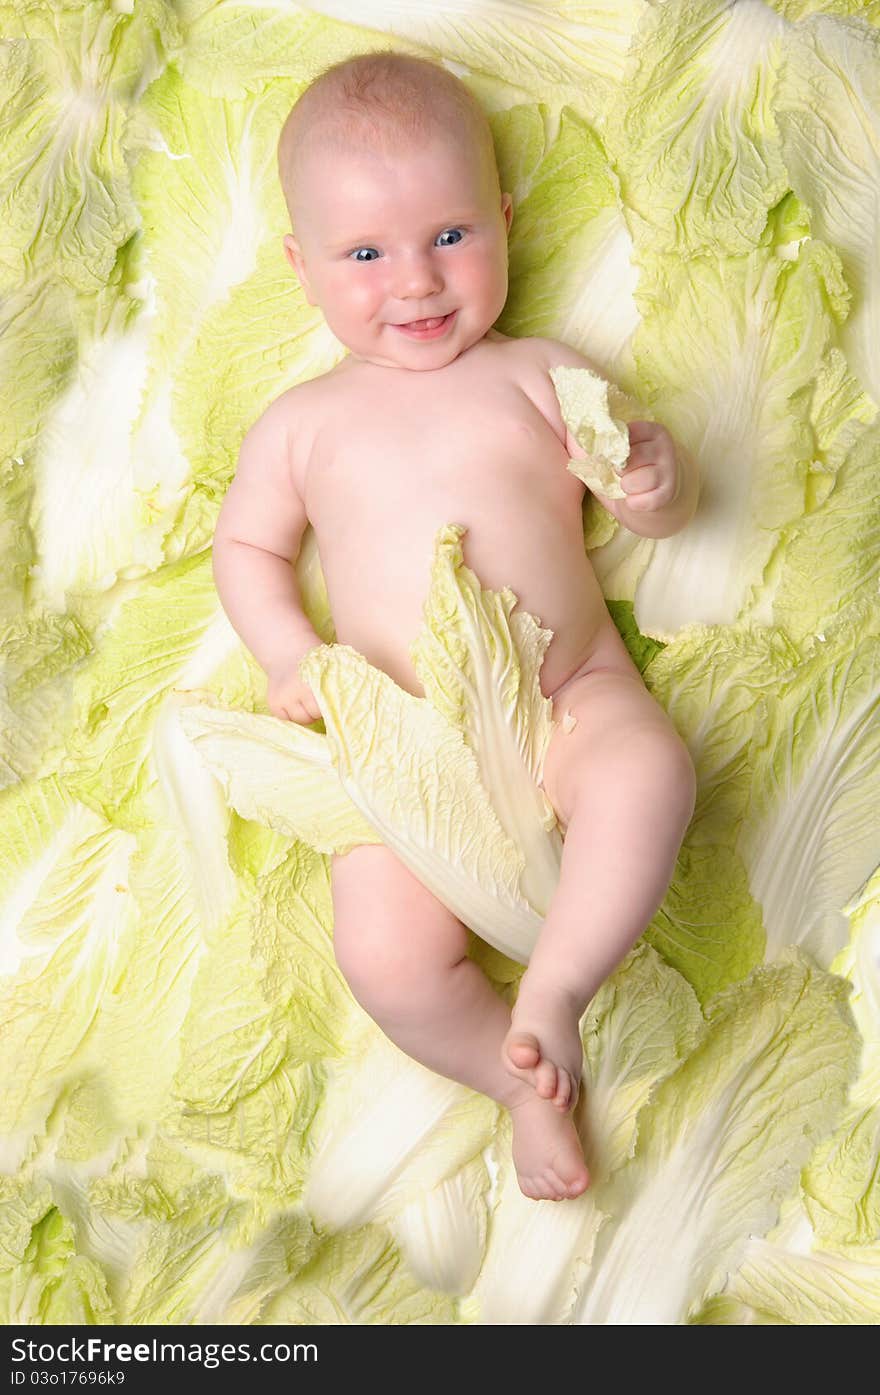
[[198, 1122]]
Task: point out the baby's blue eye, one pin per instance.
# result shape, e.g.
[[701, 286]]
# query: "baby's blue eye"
[[455, 233], [356, 254]]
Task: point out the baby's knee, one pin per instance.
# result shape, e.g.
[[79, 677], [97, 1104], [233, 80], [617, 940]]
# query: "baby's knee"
[[369, 958], [389, 964]]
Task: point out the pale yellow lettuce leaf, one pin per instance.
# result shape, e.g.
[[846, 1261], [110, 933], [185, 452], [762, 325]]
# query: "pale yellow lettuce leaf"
[[591, 409]]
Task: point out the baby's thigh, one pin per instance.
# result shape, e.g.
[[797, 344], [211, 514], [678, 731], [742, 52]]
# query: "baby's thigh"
[[612, 735], [389, 931]]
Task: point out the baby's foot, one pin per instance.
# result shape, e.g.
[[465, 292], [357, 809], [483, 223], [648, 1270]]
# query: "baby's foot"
[[547, 1152], [543, 1046]]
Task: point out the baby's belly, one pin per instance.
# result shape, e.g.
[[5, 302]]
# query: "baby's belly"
[[377, 584]]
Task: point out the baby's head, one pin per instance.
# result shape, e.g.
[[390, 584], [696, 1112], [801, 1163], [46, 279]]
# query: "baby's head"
[[388, 169]]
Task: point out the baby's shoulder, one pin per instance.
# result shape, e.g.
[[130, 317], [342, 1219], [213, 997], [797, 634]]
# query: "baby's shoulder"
[[300, 399], [529, 360], [533, 357], [542, 354], [300, 409], [279, 437], [275, 418]]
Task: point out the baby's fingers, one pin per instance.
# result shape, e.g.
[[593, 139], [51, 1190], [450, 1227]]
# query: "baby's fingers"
[[640, 479], [650, 487], [296, 710], [305, 713]]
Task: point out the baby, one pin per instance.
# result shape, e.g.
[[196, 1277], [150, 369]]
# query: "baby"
[[432, 417]]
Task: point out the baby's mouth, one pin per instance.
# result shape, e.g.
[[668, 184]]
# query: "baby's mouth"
[[434, 324]]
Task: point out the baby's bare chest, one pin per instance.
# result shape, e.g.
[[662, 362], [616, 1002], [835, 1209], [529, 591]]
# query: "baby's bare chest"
[[381, 475], [455, 457]]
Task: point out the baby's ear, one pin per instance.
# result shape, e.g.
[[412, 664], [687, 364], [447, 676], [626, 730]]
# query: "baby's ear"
[[294, 255]]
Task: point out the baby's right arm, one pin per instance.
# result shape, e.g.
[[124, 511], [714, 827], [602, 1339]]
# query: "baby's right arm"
[[256, 541]]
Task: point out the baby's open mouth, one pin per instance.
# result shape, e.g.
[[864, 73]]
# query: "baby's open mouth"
[[425, 329]]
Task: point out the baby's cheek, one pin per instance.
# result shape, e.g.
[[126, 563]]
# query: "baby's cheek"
[[477, 273], [347, 291]]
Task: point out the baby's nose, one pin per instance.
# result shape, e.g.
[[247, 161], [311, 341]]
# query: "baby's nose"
[[416, 275]]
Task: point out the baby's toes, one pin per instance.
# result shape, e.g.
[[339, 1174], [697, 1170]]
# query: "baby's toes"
[[546, 1083], [523, 1049], [552, 1186], [578, 1186], [564, 1090]]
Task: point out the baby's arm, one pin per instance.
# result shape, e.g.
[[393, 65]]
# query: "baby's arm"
[[256, 542], [660, 477]]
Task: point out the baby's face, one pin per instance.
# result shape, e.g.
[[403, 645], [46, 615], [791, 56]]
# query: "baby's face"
[[387, 241]]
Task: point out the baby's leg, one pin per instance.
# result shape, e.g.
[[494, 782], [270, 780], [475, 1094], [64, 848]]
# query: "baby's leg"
[[622, 783], [404, 957]]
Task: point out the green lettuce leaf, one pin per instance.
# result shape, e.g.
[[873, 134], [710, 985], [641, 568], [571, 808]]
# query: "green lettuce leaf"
[[716, 1153], [42, 1278], [576, 55], [809, 837], [787, 1278], [571, 277], [279, 774], [69, 136], [693, 135], [828, 108], [357, 1277], [735, 387]]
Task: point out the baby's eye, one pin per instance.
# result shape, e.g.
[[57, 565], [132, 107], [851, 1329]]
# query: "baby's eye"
[[455, 234], [371, 254]]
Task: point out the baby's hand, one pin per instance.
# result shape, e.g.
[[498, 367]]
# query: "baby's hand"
[[650, 477], [288, 696]]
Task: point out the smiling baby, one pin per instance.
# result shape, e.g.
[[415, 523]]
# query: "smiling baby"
[[432, 416]]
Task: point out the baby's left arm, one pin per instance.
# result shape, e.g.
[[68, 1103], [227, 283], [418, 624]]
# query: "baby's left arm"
[[660, 478]]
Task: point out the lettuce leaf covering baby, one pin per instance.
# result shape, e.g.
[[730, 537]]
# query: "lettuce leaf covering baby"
[[451, 782]]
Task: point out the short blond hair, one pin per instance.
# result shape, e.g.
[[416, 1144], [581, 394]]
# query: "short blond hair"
[[391, 99]]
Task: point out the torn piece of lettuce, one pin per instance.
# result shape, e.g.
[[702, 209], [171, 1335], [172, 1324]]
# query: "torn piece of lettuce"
[[43, 1279], [592, 409]]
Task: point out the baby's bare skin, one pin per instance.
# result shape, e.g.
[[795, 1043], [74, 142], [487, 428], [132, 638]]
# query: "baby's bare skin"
[[480, 443], [405, 435]]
